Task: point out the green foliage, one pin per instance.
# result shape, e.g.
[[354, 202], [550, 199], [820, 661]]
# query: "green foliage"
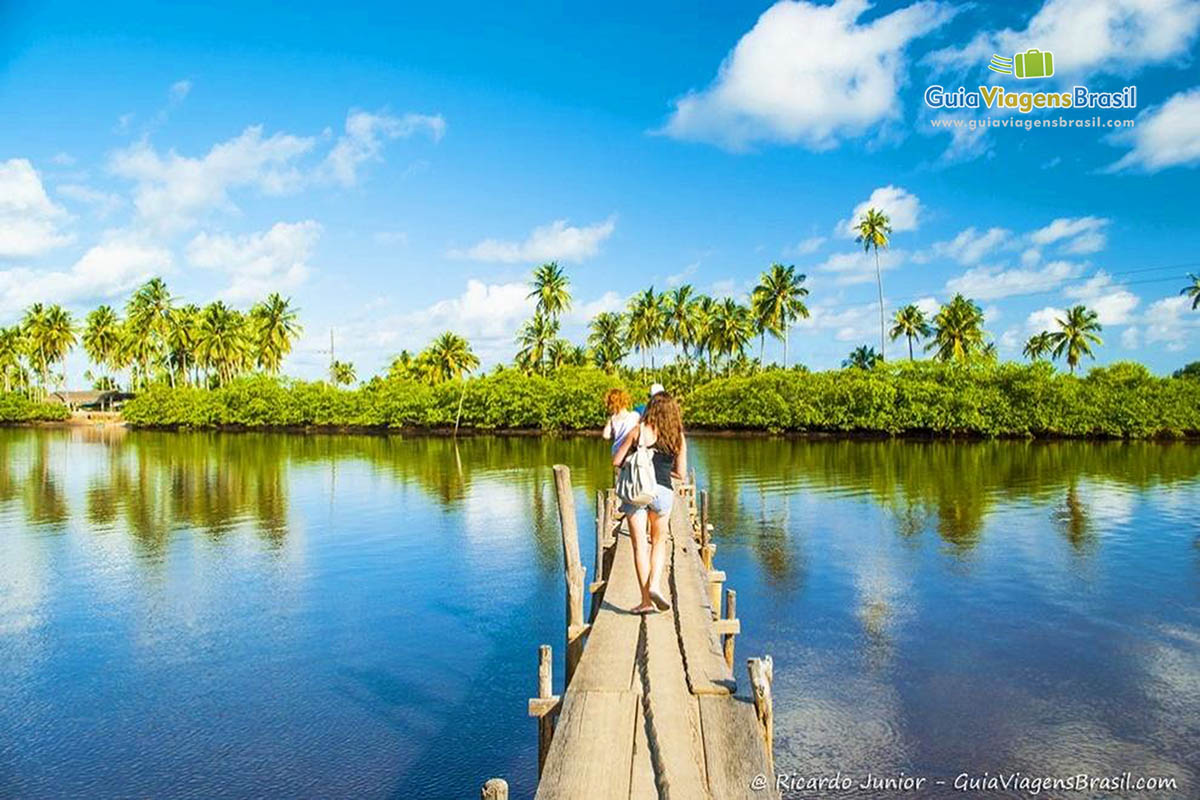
[[16, 407], [978, 399]]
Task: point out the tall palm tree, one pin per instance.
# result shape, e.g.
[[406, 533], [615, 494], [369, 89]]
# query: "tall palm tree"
[[1078, 331], [862, 357], [182, 334], [731, 329], [704, 309], [607, 340], [874, 228], [102, 337], [551, 290], [32, 324], [776, 303], [50, 335], [341, 373], [1192, 290], [222, 342], [148, 319], [276, 326], [646, 322], [910, 323], [1038, 345], [535, 336], [679, 317], [450, 357], [12, 348], [558, 353], [957, 330]]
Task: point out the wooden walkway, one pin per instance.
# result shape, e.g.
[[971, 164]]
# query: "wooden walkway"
[[650, 709]]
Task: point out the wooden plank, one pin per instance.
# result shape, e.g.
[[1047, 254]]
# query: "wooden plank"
[[733, 748], [608, 661], [592, 752], [704, 658], [641, 782], [673, 715]]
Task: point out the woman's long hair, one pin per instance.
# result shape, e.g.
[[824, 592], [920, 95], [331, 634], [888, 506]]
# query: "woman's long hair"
[[664, 416]]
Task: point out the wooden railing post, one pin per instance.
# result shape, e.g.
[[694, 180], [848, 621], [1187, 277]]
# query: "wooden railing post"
[[576, 628], [599, 580], [495, 789], [704, 519], [544, 706], [762, 675], [730, 613]]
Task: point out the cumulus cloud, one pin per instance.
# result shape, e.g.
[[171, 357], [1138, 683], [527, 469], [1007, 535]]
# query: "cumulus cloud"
[[557, 241], [364, 139], [992, 283], [858, 266], [29, 220], [172, 192], [806, 247], [110, 268], [103, 203], [970, 246], [258, 263], [1090, 37], [1171, 321], [1077, 236], [901, 206], [807, 74], [1165, 136], [1113, 304]]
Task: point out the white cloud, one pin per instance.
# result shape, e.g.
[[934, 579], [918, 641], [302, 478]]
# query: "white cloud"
[[1091, 37], [807, 74], [28, 218], [556, 241], [582, 313], [992, 283], [1044, 319], [103, 203], [1078, 236], [858, 266], [678, 278], [63, 159], [1166, 136], [1113, 305], [806, 247], [172, 192], [391, 237], [970, 245], [1171, 321], [901, 206], [1131, 338], [111, 268], [364, 139], [179, 90], [258, 263]]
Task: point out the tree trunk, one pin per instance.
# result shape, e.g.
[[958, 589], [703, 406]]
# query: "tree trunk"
[[787, 332], [879, 284], [910, 354]]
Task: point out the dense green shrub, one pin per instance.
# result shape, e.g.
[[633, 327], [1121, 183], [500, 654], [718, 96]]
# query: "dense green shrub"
[[16, 407], [1121, 400]]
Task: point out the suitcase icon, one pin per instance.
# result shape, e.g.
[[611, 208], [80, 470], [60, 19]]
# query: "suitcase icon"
[[1033, 63]]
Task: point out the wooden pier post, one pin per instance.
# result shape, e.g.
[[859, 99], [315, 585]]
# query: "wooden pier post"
[[576, 628], [495, 789], [730, 613], [762, 674], [704, 519], [544, 706], [596, 587]]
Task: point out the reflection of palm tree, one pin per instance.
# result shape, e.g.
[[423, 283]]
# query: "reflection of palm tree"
[[1073, 518]]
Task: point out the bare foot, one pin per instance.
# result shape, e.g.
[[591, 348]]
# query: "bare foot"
[[642, 608]]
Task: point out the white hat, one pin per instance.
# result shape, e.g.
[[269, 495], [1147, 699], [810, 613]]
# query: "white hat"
[[656, 388]]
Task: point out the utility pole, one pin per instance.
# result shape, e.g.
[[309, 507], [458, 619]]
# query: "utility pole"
[[330, 351]]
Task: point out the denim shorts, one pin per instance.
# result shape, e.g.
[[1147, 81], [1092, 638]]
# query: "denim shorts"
[[664, 498]]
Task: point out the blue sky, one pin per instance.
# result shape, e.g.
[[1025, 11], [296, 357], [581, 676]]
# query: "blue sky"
[[399, 169]]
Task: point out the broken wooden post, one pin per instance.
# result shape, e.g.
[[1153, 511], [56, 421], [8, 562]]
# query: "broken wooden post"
[[576, 629], [762, 674], [716, 580], [544, 706], [730, 613], [495, 789], [704, 519], [596, 588]]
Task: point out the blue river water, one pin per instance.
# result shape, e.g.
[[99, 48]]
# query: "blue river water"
[[269, 615]]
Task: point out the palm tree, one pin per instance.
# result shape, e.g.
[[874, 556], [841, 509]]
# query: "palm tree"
[[275, 326], [32, 324], [181, 341], [957, 330], [1192, 290], [1076, 335], [450, 357], [703, 311], [679, 317], [873, 231], [862, 357], [102, 337], [910, 323], [1038, 345], [12, 348], [776, 303], [222, 343], [535, 336], [730, 329], [341, 373], [148, 319], [50, 334], [558, 353], [607, 340], [403, 366], [550, 288], [646, 322]]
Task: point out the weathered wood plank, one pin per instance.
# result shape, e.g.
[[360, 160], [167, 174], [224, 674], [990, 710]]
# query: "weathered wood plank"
[[608, 662], [733, 748], [641, 782], [704, 657], [592, 752]]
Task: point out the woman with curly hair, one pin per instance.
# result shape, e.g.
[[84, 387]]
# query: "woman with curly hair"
[[661, 430]]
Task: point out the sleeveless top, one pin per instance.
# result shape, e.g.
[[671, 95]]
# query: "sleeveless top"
[[663, 462]]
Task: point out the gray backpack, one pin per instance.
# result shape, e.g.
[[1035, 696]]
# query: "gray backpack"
[[636, 483]]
